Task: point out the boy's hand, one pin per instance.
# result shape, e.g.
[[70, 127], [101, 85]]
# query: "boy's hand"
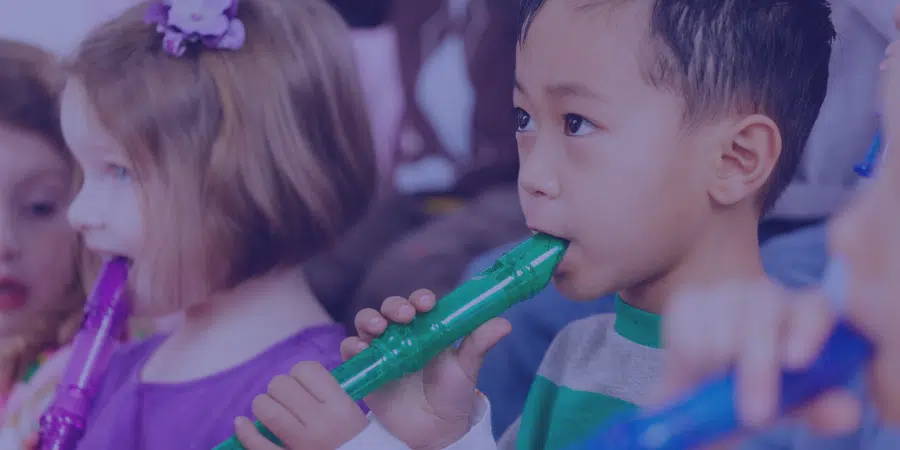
[[432, 408], [758, 330], [891, 86], [866, 235], [307, 410]]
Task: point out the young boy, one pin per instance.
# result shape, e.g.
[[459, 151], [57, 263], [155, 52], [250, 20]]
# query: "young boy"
[[788, 329], [652, 135]]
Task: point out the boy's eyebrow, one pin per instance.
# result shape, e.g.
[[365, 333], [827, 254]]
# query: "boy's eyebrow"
[[566, 90], [571, 90]]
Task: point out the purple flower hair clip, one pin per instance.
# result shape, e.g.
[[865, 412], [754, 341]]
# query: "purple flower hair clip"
[[213, 23]]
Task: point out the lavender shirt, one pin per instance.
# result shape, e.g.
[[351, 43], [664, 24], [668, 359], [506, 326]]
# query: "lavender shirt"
[[197, 415]]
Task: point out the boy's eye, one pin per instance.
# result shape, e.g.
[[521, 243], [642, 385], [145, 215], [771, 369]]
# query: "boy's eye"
[[523, 119], [577, 125]]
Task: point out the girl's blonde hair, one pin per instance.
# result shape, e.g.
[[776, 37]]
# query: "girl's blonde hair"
[[30, 84], [262, 156]]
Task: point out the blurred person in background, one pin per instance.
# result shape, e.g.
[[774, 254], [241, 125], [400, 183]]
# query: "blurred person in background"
[[445, 135]]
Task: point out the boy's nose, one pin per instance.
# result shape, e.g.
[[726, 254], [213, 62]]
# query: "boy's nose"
[[537, 177]]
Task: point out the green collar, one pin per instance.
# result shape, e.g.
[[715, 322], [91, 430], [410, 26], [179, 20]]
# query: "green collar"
[[638, 326]]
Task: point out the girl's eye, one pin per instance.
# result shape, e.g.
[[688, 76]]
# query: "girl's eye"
[[577, 125], [41, 209], [523, 119], [118, 172]]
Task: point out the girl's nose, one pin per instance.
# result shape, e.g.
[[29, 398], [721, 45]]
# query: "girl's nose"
[[9, 242]]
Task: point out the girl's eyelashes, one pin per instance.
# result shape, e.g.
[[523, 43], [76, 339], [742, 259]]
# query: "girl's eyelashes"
[[118, 172]]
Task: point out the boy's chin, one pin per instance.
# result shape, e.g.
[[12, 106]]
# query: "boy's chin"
[[574, 289]]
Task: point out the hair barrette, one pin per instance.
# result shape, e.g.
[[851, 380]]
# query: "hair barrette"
[[213, 23]]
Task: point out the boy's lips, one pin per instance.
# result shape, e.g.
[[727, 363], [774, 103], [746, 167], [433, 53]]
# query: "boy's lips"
[[13, 294], [560, 268], [563, 263]]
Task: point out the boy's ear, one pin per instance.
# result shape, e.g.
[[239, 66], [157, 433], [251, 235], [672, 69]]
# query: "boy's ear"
[[748, 155]]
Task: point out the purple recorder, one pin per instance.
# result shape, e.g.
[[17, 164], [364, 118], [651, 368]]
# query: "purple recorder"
[[105, 323]]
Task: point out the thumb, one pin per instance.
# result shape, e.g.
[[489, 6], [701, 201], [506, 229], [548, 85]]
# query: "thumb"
[[250, 437], [883, 386], [473, 348], [835, 413]]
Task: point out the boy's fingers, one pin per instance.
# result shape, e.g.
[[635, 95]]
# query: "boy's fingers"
[[810, 323], [758, 364], [891, 49], [351, 346], [476, 345], [883, 385], [721, 318], [250, 436], [700, 335], [835, 413], [369, 324], [398, 309], [423, 300]]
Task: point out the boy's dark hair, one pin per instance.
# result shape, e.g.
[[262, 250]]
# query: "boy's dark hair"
[[754, 56]]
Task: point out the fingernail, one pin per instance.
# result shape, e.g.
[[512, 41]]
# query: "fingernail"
[[407, 310], [427, 299], [362, 346], [375, 321], [240, 420]]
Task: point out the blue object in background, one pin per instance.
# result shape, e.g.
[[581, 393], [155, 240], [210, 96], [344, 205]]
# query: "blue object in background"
[[710, 414], [867, 168]]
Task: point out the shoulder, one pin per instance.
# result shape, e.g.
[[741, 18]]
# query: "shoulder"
[[583, 334], [320, 344], [133, 352], [128, 359], [577, 341]]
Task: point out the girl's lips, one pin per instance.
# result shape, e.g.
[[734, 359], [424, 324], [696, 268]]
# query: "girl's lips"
[[13, 294]]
